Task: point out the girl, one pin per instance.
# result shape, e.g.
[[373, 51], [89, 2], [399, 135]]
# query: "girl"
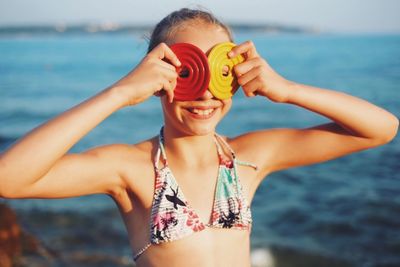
[[179, 192]]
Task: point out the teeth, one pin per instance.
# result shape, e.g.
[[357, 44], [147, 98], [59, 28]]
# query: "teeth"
[[203, 112]]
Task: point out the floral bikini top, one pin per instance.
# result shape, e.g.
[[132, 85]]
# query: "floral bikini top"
[[173, 218]]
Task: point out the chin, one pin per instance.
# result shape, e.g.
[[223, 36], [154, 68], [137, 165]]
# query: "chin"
[[192, 125], [200, 129]]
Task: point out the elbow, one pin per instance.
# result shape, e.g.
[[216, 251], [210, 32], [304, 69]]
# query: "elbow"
[[7, 187], [5, 194], [11, 186], [10, 193], [5, 191], [389, 133], [2, 179], [393, 129]]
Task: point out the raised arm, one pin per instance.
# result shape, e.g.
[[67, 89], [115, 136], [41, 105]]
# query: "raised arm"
[[37, 164], [356, 124]]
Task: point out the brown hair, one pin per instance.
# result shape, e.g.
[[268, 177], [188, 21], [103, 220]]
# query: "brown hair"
[[167, 26]]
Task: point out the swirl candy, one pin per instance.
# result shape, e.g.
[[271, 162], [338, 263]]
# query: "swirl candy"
[[197, 72], [193, 74], [223, 83]]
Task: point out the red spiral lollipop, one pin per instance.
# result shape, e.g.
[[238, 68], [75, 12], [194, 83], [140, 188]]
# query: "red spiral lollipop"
[[193, 74]]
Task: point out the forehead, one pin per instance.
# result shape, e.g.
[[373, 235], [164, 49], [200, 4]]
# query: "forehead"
[[204, 36]]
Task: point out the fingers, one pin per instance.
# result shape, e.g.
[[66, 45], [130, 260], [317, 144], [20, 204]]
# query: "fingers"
[[162, 51], [251, 82], [168, 81], [252, 87], [247, 48], [168, 72], [166, 57], [169, 90], [166, 65], [247, 72], [250, 75], [246, 66]]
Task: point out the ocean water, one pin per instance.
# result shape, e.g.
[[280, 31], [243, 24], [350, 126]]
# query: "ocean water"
[[348, 208]]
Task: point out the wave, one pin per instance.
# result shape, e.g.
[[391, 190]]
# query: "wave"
[[4, 138], [5, 141]]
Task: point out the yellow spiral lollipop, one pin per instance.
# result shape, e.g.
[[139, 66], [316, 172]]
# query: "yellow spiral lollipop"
[[223, 83]]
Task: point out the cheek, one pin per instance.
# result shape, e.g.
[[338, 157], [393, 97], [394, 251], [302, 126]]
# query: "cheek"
[[169, 109], [227, 104]]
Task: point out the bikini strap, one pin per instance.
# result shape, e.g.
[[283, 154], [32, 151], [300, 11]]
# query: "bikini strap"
[[219, 148], [239, 162], [141, 251], [160, 150], [218, 137]]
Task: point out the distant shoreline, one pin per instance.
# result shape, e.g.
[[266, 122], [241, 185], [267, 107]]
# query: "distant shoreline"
[[136, 29]]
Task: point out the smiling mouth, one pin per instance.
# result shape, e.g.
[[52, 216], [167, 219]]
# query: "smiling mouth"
[[201, 112]]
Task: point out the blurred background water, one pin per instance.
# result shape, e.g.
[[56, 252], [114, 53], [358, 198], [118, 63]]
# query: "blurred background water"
[[348, 208]]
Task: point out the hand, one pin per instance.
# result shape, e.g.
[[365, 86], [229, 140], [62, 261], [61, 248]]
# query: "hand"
[[153, 76], [256, 77]]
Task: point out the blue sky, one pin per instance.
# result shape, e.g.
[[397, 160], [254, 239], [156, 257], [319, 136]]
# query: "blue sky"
[[326, 15]]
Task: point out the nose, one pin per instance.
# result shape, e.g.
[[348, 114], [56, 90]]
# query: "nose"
[[206, 96]]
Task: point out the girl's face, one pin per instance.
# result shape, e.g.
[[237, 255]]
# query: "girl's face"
[[201, 116]]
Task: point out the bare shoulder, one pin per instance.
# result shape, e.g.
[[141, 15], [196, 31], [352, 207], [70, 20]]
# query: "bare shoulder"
[[128, 159], [257, 146], [134, 153], [244, 143], [134, 163]]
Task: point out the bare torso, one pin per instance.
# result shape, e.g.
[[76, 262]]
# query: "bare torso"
[[210, 247]]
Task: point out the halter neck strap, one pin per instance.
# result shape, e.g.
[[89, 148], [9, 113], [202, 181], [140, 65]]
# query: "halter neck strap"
[[217, 140]]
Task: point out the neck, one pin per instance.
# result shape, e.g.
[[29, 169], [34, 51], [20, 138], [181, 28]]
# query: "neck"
[[190, 150]]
